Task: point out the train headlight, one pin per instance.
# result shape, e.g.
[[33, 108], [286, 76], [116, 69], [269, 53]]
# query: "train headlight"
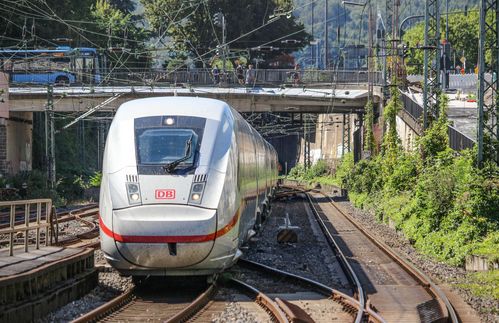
[[133, 192], [196, 193]]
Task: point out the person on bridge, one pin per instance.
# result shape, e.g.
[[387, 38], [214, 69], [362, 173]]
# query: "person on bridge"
[[240, 73], [296, 75], [216, 75], [250, 75]]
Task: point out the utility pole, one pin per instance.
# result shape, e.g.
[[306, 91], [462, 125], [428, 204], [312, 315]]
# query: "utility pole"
[[219, 20], [306, 141], [370, 58], [50, 137], [395, 38], [345, 134], [224, 48], [326, 36], [446, 49], [431, 89], [488, 109], [389, 17]]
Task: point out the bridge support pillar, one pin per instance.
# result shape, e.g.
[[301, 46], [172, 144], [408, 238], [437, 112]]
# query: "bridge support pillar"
[[16, 137], [15, 134]]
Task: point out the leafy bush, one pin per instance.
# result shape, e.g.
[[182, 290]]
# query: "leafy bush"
[[318, 169], [95, 179], [344, 169], [443, 204], [362, 177], [297, 172]]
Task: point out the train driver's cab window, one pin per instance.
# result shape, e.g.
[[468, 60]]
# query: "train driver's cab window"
[[162, 146]]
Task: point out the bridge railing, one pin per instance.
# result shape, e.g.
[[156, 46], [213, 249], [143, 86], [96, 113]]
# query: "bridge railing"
[[204, 76], [468, 82], [457, 140]]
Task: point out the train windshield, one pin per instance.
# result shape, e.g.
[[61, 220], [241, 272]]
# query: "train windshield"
[[167, 144], [162, 146]]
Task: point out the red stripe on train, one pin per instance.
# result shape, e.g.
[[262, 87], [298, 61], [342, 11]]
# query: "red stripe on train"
[[169, 239]]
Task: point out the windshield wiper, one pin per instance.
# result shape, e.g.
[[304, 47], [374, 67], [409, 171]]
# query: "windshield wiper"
[[170, 167]]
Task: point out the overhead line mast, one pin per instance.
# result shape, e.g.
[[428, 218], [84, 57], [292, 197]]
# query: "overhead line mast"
[[488, 92], [431, 86]]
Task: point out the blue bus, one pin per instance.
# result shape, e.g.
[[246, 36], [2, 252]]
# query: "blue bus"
[[62, 65]]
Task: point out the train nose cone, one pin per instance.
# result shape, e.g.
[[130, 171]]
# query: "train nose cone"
[[164, 236]]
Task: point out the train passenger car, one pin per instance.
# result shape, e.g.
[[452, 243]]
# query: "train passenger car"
[[185, 182]]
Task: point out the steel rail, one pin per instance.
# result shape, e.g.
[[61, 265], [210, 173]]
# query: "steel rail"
[[263, 300], [91, 233], [129, 296], [107, 308], [325, 290], [348, 270], [423, 279]]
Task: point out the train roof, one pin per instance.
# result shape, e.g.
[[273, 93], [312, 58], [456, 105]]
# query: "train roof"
[[185, 106]]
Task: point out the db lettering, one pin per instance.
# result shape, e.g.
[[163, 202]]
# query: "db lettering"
[[165, 194]]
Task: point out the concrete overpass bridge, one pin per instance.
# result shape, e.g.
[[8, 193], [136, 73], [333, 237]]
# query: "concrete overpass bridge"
[[80, 102], [344, 98]]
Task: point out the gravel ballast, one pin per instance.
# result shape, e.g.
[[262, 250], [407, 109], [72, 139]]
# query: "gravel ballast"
[[310, 257], [111, 284]]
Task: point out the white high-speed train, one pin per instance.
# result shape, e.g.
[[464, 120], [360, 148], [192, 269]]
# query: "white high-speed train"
[[185, 182]]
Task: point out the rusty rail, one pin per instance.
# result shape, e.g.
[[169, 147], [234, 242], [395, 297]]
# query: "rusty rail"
[[347, 269], [263, 300], [106, 308], [41, 221], [337, 296], [91, 233], [129, 297], [423, 279]]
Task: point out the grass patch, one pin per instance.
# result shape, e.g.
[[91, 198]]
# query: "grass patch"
[[484, 284], [489, 248]]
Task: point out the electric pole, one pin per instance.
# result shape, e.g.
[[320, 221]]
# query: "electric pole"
[[488, 108], [370, 58], [431, 89], [326, 36], [50, 137]]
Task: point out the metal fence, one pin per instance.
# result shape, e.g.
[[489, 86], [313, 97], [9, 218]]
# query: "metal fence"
[[262, 77], [457, 140], [19, 218], [413, 108], [203, 76], [456, 81]]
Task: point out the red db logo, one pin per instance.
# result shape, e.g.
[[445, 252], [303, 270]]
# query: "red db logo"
[[165, 194]]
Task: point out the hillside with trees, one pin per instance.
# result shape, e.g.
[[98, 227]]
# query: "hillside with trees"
[[347, 24]]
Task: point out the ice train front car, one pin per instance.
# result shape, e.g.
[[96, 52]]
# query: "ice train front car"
[[185, 182]]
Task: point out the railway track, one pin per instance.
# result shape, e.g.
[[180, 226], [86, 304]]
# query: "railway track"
[[88, 238], [350, 306], [162, 303], [158, 303], [386, 282]]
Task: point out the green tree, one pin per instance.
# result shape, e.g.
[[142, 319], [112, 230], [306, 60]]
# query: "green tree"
[[369, 142], [391, 141], [436, 139], [191, 28], [414, 38], [463, 36], [85, 23], [122, 32]]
